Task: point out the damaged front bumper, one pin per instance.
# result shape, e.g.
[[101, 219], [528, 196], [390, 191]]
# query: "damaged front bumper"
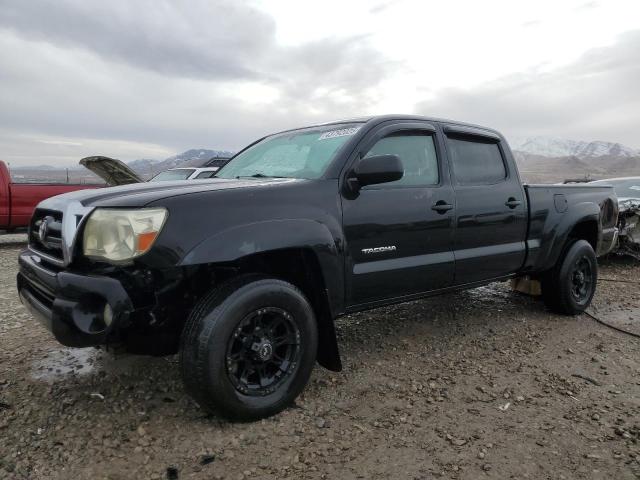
[[142, 310], [79, 310]]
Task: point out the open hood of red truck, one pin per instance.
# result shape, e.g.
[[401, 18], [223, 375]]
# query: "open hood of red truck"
[[111, 170]]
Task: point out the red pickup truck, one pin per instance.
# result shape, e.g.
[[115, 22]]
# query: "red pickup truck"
[[18, 200]]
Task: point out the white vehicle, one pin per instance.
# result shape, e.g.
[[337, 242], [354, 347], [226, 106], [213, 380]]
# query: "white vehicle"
[[114, 172], [185, 173]]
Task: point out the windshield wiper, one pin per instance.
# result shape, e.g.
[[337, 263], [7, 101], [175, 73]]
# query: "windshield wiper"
[[258, 175]]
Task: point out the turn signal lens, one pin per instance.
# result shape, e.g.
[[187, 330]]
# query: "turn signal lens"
[[145, 240]]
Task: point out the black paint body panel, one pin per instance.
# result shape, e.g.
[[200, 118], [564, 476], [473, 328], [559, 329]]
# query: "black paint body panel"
[[220, 222]]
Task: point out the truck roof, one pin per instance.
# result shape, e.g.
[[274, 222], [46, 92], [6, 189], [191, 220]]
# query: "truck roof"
[[374, 119]]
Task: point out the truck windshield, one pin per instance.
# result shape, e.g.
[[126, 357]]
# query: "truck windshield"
[[304, 153]]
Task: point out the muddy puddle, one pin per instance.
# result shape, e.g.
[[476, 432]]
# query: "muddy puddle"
[[62, 363], [65, 362]]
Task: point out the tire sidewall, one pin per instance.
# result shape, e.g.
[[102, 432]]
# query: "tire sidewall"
[[574, 252], [219, 326]]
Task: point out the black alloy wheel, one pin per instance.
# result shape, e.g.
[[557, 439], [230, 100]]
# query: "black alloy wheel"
[[569, 286], [581, 279], [263, 351], [248, 347]]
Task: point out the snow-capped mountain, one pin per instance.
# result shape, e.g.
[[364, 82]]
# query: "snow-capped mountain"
[[143, 164], [561, 147], [191, 158], [194, 157]]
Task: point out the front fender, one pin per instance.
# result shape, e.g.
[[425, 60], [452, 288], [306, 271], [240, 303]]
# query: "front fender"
[[234, 243]]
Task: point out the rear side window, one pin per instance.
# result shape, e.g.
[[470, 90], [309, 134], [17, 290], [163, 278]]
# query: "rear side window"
[[417, 153], [476, 162]]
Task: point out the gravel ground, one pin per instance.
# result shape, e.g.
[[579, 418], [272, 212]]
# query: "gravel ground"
[[480, 384]]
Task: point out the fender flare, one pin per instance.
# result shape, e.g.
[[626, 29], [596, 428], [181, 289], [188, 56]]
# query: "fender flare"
[[554, 239], [260, 237], [248, 239]]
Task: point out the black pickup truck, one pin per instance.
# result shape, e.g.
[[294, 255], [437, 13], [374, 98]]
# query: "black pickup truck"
[[244, 274]]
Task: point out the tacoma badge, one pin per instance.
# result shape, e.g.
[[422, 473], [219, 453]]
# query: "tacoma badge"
[[389, 248]]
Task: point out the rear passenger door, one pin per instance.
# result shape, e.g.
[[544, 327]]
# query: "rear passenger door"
[[490, 220], [399, 233]]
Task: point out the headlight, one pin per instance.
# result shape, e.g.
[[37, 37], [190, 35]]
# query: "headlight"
[[120, 235]]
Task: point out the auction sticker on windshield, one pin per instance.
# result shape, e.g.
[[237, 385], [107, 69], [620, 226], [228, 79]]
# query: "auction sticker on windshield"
[[344, 132]]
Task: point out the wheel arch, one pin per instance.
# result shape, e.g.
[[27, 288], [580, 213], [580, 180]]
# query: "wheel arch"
[[303, 268], [232, 245], [583, 222], [586, 229]]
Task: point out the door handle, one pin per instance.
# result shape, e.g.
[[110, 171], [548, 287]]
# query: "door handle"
[[512, 202], [441, 206]]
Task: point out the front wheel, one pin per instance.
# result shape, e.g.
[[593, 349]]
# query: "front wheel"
[[249, 347], [569, 287]]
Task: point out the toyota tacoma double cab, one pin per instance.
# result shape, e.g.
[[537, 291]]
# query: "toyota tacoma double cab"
[[316, 223]]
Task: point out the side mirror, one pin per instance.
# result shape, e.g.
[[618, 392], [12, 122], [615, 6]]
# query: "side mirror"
[[378, 169]]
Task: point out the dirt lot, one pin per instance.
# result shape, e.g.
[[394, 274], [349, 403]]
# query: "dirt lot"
[[480, 384]]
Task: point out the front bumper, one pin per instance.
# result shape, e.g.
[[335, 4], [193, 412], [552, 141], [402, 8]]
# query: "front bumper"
[[72, 306]]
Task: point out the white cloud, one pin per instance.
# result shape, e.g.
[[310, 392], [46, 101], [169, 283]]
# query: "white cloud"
[[150, 78], [594, 98], [36, 149]]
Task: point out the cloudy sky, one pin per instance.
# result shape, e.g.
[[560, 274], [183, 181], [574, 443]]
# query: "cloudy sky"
[[151, 78]]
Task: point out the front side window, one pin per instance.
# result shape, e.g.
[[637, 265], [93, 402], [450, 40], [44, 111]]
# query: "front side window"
[[305, 153], [417, 153], [476, 162]]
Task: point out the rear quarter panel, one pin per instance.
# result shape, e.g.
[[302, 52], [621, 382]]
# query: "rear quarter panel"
[[554, 210]]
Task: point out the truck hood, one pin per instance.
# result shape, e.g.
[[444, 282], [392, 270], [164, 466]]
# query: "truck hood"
[[628, 203], [111, 170], [141, 194]]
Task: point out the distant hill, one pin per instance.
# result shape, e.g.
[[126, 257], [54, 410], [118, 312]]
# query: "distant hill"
[[540, 169], [552, 159], [540, 160], [190, 158], [145, 167], [562, 147]]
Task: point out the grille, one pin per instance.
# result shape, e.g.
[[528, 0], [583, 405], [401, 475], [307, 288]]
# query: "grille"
[[45, 233]]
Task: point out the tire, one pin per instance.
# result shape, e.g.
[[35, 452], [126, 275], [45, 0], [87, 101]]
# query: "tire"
[[239, 339], [568, 288]]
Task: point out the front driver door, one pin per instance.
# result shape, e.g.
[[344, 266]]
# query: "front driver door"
[[399, 233]]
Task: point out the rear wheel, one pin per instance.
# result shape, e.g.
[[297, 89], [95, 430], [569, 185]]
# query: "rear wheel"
[[249, 347], [569, 287]]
